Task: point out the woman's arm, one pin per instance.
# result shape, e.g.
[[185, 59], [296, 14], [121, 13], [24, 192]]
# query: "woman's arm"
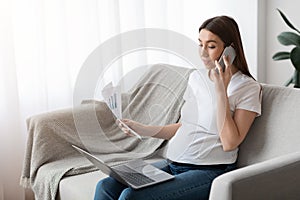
[[232, 129], [163, 132]]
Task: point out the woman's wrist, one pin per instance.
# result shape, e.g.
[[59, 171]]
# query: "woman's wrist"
[[145, 130], [151, 131]]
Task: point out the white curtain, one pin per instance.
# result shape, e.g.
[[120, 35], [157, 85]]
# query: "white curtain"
[[43, 44]]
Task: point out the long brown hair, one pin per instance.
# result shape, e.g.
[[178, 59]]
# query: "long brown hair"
[[227, 29]]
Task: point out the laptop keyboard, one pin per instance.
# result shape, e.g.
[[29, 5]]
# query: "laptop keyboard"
[[133, 177]]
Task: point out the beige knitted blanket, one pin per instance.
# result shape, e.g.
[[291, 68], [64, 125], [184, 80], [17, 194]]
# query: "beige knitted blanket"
[[155, 99]]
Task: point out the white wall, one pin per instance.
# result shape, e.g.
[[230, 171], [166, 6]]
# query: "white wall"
[[277, 72]]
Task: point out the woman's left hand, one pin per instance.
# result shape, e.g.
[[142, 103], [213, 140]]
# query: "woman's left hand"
[[220, 78]]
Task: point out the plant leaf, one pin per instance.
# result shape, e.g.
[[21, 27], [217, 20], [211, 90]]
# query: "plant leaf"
[[295, 58], [287, 21], [289, 38], [281, 55]]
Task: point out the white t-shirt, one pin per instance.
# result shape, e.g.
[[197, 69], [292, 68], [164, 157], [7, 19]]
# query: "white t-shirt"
[[197, 141]]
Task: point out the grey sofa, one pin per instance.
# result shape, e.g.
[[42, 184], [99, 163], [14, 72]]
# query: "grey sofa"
[[268, 163], [269, 158]]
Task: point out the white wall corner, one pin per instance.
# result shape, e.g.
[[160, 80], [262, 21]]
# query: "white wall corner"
[[261, 41]]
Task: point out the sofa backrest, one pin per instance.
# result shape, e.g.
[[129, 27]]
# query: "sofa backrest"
[[277, 131]]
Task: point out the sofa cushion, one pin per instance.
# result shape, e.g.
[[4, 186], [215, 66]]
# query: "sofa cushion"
[[276, 131], [80, 186]]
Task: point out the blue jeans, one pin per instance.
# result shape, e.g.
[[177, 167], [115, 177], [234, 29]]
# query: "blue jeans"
[[191, 182]]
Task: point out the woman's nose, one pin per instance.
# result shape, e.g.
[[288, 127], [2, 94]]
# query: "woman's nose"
[[203, 52]]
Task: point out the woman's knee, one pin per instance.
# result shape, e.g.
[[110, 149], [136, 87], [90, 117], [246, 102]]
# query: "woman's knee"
[[108, 188], [128, 193], [100, 187], [103, 187], [104, 183]]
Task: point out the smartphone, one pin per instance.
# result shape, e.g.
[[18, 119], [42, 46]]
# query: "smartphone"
[[228, 51]]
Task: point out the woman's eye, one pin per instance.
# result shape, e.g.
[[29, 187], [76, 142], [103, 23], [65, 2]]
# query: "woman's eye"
[[200, 45], [211, 47]]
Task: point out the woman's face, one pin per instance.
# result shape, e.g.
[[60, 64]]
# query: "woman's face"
[[210, 48]]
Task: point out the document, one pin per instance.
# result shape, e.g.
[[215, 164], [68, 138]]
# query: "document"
[[113, 99]]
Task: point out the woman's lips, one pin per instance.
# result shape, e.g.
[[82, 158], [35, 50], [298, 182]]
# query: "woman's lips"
[[206, 62]]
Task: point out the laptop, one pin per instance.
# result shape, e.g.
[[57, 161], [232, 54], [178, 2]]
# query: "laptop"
[[135, 174]]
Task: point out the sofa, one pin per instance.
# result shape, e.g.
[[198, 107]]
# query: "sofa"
[[268, 162]]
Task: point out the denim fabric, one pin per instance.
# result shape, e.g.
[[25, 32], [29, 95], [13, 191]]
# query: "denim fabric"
[[191, 182]]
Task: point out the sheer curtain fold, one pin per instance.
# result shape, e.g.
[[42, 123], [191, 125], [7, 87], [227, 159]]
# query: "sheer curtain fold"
[[10, 120]]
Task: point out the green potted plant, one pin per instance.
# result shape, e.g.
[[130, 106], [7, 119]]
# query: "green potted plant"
[[287, 39]]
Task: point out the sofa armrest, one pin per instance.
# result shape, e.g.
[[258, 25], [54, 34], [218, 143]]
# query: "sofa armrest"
[[278, 178]]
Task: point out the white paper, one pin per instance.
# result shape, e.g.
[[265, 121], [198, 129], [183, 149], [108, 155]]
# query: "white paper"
[[112, 97]]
